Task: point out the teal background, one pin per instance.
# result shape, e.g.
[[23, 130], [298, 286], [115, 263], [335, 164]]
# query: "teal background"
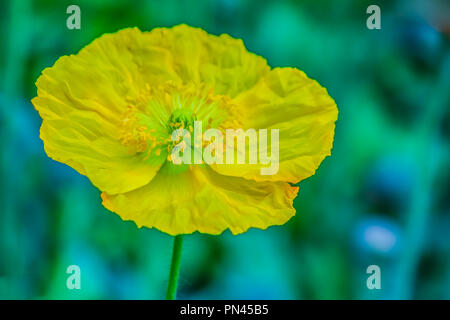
[[382, 198]]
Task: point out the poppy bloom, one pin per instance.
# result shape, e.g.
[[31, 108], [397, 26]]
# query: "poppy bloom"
[[110, 111]]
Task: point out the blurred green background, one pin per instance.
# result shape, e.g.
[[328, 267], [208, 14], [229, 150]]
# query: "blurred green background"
[[382, 198]]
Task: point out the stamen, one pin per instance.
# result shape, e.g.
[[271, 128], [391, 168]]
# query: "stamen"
[[153, 115]]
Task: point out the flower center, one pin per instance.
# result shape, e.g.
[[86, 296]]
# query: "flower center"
[[150, 119], [181, 119]]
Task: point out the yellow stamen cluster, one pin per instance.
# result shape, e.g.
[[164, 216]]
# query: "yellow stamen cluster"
[[139, 138], [133, 134], [172, 106]]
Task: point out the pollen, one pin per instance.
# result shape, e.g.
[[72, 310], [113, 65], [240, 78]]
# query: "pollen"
[[157, 111]]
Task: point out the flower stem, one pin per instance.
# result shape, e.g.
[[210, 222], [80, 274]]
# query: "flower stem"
[[174, 268]]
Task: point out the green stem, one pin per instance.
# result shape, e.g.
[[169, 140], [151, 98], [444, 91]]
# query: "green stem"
[[174, 268]]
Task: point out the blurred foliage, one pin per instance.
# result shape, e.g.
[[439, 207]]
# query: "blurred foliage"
[[382, 198]]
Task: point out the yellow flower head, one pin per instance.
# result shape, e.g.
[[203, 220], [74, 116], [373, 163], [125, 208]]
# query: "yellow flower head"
[[110, 112]]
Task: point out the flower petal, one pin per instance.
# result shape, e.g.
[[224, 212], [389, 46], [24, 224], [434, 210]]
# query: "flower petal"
[[199, 199], [286, 99], [82, 99], [221, 61]]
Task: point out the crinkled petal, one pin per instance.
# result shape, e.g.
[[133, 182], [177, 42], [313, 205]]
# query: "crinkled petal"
[[82, 99], [221, 61], [199, 199], [286, 99]]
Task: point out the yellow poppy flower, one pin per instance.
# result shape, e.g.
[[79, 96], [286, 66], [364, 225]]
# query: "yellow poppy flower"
[[110, 110]]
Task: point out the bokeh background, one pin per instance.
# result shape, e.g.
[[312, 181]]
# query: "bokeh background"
[[382, 198]]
